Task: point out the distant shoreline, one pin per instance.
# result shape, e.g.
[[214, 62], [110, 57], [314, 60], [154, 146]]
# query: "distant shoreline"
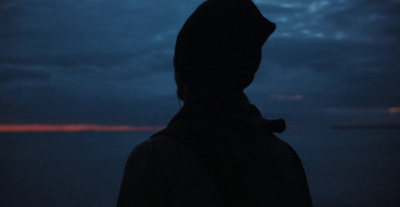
[[367, 126]]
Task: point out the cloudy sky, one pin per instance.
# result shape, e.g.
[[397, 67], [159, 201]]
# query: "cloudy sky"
[[110, 62]]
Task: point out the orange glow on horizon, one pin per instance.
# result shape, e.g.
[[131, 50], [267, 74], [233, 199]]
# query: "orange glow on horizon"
[[394, 110], [72, 128]]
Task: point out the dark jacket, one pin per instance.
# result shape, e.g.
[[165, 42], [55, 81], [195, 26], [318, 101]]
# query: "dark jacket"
[[215, 154]]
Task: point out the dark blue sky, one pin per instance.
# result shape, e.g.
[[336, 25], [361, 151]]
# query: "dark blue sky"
[[110, 62]]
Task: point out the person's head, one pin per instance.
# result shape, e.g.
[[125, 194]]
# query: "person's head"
[[218, 49]]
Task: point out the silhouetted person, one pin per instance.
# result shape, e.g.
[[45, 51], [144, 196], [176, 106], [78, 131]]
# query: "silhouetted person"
[[218, 150]]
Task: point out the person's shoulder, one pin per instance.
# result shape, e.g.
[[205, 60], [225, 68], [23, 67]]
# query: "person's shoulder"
[[158, 143], [274, 145], [160, 149], [270, 139]]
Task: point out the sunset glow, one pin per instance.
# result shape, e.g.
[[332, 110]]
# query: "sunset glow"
[[394, 110], [72, 128]]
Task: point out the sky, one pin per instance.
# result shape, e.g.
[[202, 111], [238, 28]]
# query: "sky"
[[109, 62]]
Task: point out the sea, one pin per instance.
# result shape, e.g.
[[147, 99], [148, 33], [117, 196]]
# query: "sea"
[[344, 167]]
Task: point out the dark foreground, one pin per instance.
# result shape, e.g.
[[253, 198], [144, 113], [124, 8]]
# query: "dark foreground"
[[356, 167]]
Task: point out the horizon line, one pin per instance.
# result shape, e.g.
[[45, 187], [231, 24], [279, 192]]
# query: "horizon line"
[[366, 126], [27, 128]]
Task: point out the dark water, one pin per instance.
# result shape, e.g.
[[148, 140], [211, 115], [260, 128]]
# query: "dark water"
[[344, 167]]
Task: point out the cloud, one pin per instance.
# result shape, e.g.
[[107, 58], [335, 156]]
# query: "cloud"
[[14, 74], [371, 20], [102, 33], [287, 97]]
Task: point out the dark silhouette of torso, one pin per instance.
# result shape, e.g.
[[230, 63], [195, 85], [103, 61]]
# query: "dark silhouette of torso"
[[224, 154]]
